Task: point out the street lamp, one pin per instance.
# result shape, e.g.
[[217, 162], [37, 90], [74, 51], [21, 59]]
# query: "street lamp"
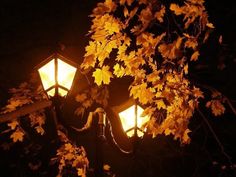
[[131, 119], [57, 74]]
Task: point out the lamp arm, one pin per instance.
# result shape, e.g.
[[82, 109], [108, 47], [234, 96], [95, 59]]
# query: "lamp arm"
[[87, 125], [114, 140]]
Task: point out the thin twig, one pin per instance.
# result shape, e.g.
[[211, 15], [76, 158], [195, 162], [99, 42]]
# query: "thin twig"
[[230, 104], [215, 136], [225, 98]]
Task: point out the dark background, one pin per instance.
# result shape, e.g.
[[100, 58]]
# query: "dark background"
[[31, 30]]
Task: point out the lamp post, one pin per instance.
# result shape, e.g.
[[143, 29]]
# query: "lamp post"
[[57, 74]]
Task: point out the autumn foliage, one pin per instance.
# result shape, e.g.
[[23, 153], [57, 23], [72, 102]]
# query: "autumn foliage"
[[152, 42]]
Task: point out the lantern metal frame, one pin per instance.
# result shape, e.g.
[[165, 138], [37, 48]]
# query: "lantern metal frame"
[[56, 86], [123, 107]]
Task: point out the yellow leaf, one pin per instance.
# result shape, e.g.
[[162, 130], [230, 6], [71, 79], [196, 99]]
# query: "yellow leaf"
[[210, 25], [119, 71], [17, 136], [167, 131], [68, 147], [186, 69], [91, 48], [178, 10], [111, 5], [89, 61], [80, 172], [13, 125], [69, 156], [102, 75], [195, 56], [160, 104], [112, 27]]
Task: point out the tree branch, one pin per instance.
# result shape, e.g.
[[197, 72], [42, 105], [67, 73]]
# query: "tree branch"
[[24, 110], [215, 136]]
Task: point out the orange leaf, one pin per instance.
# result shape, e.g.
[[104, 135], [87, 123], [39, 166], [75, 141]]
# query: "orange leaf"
[[195, 56], [13, 125], [17, 136]]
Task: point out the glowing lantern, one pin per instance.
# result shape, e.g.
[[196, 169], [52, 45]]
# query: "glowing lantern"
[[131, 119], [57, 74]]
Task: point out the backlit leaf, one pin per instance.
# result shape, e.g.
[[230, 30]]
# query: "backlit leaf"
[[18, 135], [102, 75], [13, 125], [195, 56]]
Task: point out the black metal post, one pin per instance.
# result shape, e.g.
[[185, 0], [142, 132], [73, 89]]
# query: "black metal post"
[[100, 139]]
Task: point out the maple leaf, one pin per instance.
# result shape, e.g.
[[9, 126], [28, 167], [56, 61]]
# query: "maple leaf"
[[13, 125], [111, 5], [102, 75], [40, 130], [216, 106], [160, 104], [186, 138], [17, 136], [89, 61], [178, 10], [197, 92], [167, 131], [145, 16], [119, 71], [68, 147], [80, 172], [112, 27], [159, 15]]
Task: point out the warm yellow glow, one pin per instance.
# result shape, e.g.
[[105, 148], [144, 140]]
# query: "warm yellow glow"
[[66, 74], [47, 74], [62, 92], [127, 118], [51, 92]]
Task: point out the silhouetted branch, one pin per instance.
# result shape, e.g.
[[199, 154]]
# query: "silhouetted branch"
[[215, 136]]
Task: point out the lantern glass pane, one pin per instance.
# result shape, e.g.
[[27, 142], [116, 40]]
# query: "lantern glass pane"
[[62, 92], [66, 74], [51, 92], [47, 74], [127, 118]]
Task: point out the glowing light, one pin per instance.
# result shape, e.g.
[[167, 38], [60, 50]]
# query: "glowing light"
[[127, 118], [62, 92], [51, 92], [47, 74], [66, 74], [57, 74]]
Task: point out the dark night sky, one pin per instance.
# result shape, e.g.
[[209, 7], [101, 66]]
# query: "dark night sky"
[[30, 30]]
